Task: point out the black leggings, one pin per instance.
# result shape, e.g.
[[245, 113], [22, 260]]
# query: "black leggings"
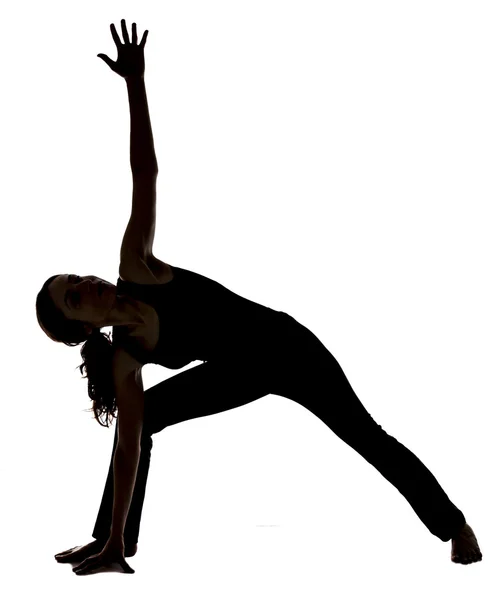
[[292, 362]]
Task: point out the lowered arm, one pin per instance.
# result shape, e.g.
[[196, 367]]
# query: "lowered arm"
[[124, 478], [130, 404]]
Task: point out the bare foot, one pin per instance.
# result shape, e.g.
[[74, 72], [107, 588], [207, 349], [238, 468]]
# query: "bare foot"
[[80, 553], [465, 548]]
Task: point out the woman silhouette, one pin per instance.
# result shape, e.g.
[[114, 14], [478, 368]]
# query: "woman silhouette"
[[171, 316]]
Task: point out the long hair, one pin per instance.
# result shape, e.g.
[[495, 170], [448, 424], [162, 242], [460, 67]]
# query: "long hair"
[[97, 353]]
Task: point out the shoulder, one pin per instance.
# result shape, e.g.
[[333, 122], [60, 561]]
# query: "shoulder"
[[123, 366], [149, 270]]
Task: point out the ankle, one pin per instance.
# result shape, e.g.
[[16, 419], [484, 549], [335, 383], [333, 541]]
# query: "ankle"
[[129, 549], [459, 531]]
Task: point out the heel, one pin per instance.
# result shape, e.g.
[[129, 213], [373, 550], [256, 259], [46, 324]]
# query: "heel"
[[130, 550]]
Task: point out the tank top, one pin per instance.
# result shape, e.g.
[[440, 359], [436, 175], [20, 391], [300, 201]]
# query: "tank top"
[[199, 319]]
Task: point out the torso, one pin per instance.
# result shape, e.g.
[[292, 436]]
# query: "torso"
[[153, 272]]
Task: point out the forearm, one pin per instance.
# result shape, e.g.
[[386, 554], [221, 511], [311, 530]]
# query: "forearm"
[[142, 149], [124, 477]]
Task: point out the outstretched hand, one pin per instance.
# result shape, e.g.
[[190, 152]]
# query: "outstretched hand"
[[130, 60], [113, 552]]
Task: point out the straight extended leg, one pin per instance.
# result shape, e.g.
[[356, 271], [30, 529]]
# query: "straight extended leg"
[[311, 376]]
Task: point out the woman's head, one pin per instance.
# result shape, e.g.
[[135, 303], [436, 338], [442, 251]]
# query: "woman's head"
[[87, 299], [71, 310]]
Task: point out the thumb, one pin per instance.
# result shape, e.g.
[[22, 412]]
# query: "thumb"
[[107, 60]]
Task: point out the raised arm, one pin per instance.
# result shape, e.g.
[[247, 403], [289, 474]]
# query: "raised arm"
[[137, 243], [143, 160], [130, 66]]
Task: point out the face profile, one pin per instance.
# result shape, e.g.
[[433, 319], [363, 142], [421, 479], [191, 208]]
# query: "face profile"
[[90, 299]]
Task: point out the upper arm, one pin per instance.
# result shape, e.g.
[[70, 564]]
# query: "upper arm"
[[129, 395], [140, 232]]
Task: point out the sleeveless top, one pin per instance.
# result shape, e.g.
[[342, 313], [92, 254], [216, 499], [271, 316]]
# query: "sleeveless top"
[[199, 319]]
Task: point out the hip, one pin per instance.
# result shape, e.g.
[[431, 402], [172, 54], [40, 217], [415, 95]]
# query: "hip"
[[285, 345]]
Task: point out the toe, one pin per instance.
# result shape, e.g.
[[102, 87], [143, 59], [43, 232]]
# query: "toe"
[[461, 559]]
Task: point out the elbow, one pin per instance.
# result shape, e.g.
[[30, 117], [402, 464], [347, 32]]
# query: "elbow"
[[129, 449], [129, 440]]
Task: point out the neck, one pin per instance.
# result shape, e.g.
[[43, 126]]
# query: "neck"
[[134, 310]]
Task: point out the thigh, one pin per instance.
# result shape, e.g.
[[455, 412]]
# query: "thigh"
[[201, 391], [311, 376]]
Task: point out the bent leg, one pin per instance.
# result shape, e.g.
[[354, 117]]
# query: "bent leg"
[[317, 382], [204, 390]]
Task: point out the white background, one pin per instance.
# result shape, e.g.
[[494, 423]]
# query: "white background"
[[338, 161]]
